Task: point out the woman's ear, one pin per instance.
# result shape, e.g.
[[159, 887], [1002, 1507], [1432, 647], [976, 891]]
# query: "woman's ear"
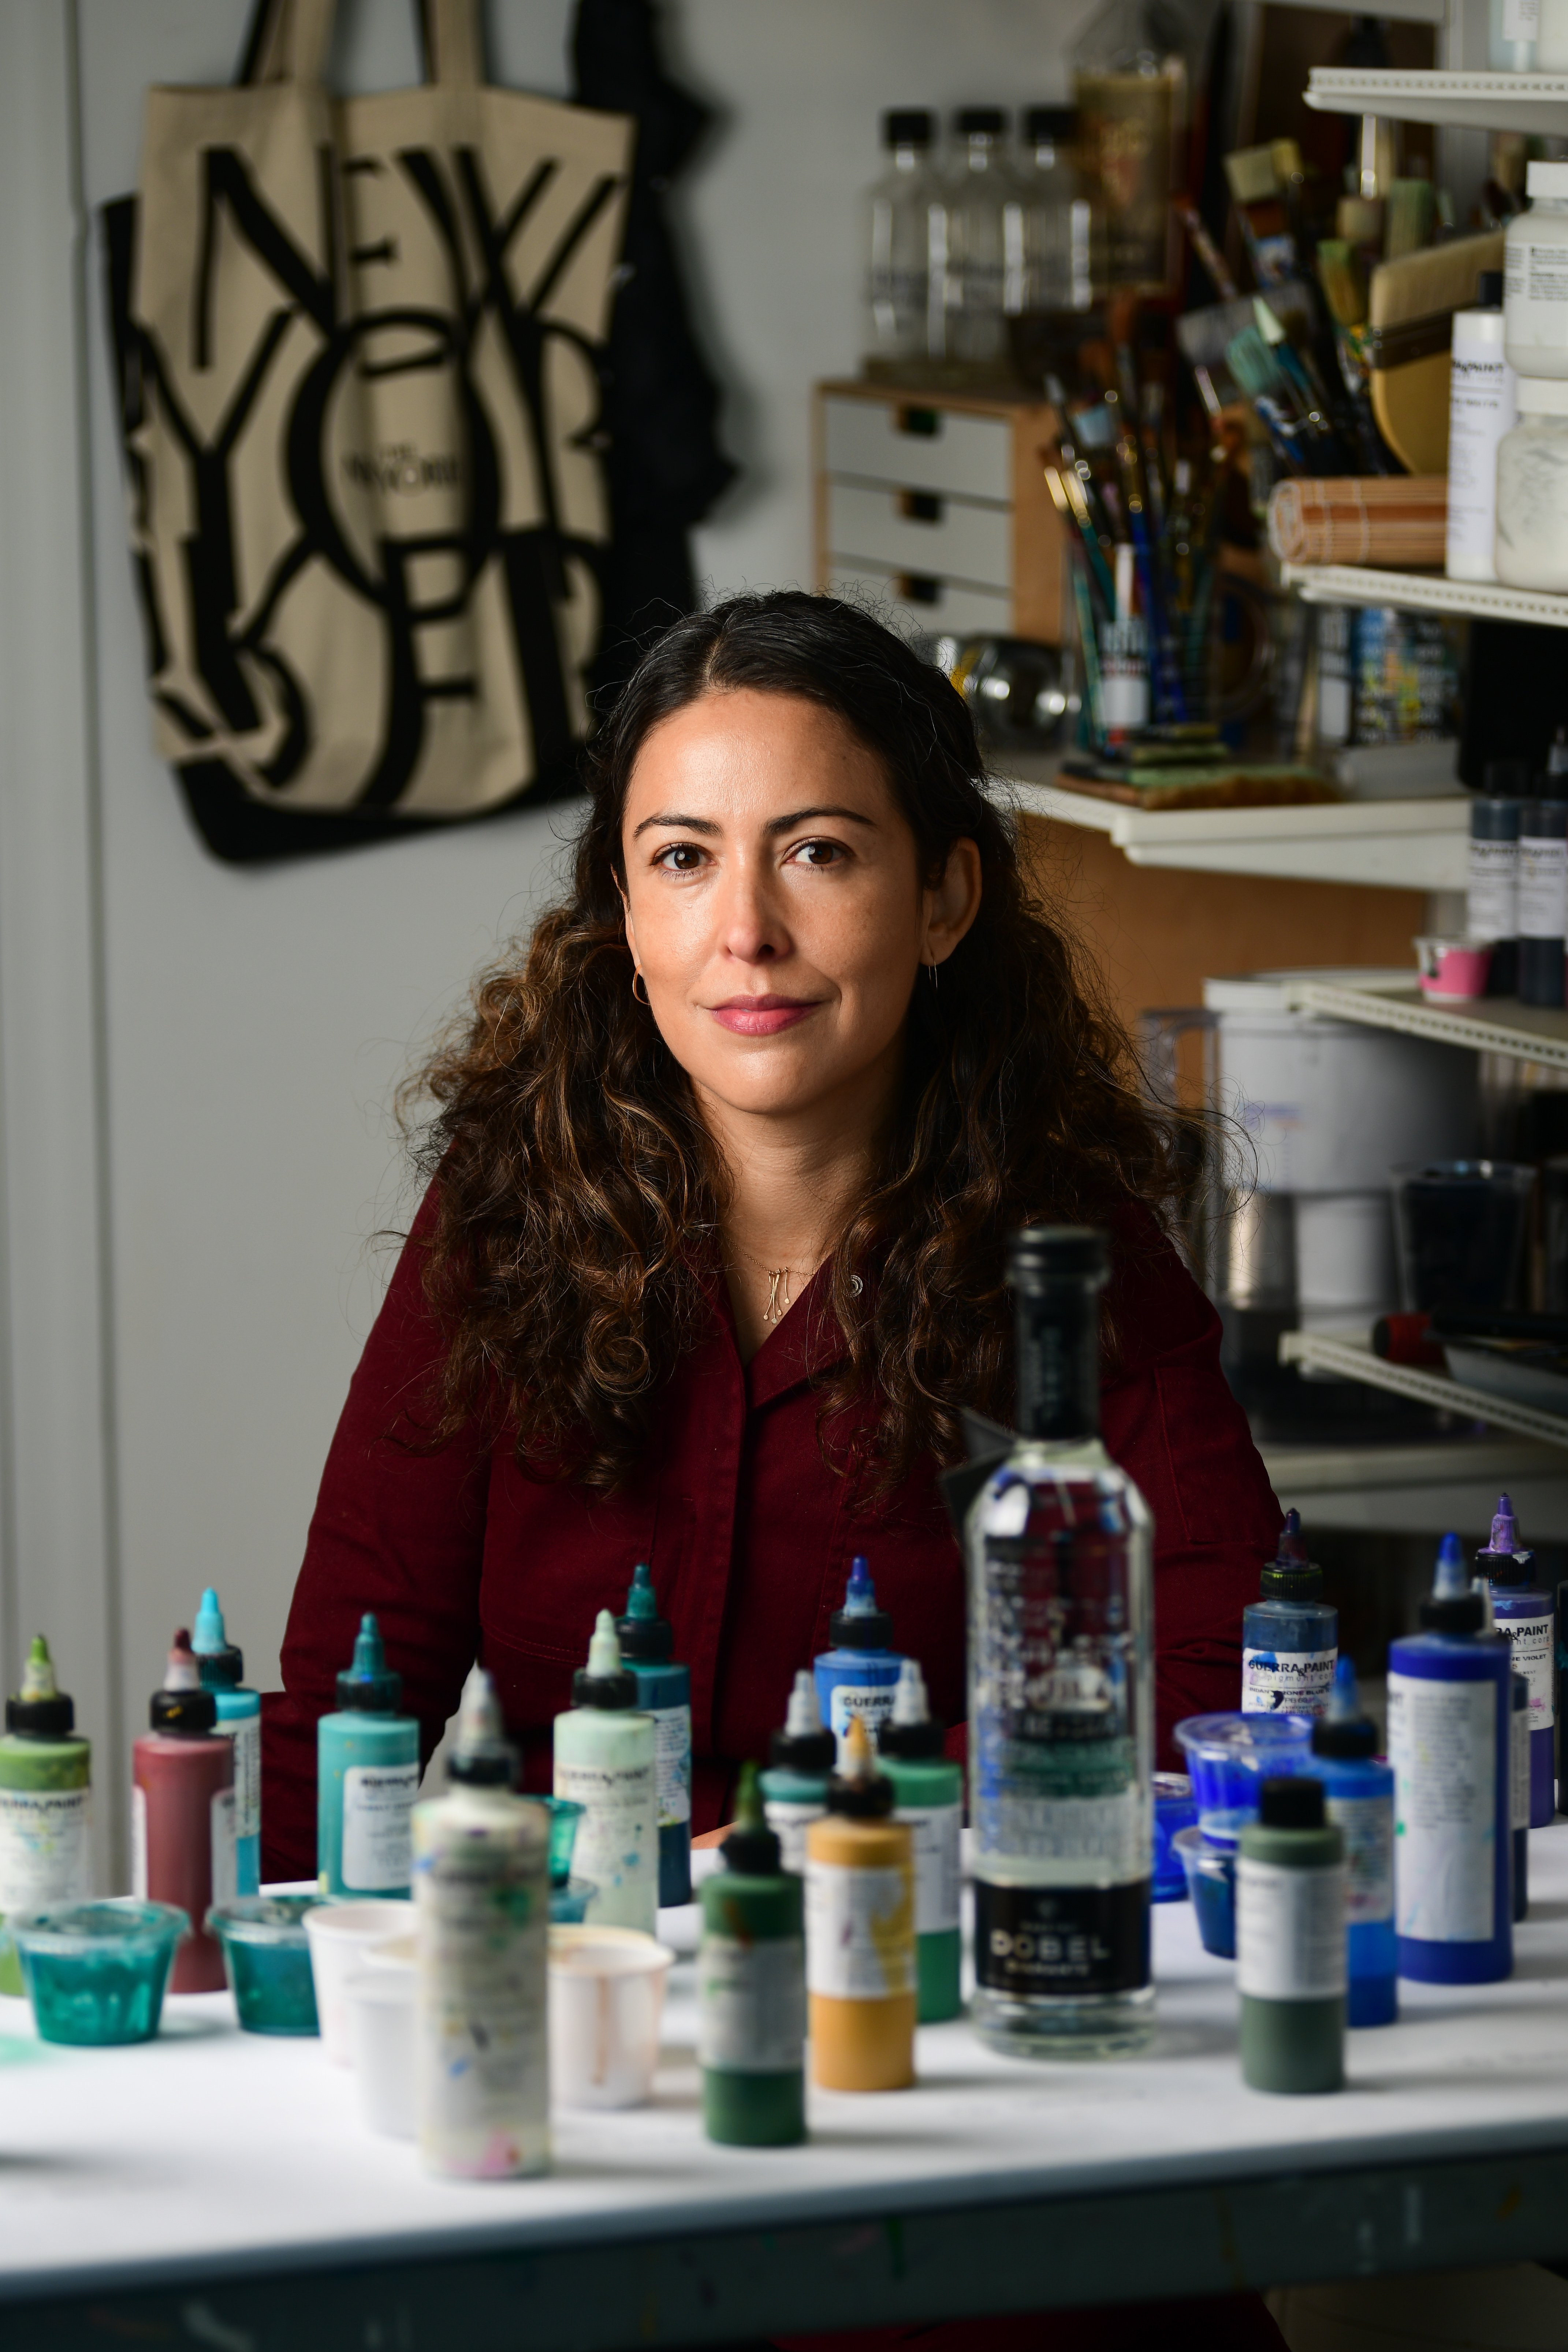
[[952, 902]]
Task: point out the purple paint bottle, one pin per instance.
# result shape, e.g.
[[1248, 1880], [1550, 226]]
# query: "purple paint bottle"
[[1526, 1615]]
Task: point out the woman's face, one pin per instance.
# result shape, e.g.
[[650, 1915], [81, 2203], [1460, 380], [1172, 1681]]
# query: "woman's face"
[[774, 907]]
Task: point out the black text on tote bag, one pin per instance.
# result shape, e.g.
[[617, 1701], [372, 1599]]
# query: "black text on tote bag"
[[358, 344]]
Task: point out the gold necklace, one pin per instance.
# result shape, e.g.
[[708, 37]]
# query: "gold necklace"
[[779, 1298]]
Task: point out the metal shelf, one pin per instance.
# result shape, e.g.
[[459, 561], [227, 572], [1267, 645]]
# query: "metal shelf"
[[1403, 845], [1462, 101], [1349, 1360], [1525, 1033], [1426, 591]]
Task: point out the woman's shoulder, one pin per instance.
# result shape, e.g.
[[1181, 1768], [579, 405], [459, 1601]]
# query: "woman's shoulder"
[[1152, 1308]]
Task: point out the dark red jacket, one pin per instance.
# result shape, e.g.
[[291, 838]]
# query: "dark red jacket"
[[749, 1534]]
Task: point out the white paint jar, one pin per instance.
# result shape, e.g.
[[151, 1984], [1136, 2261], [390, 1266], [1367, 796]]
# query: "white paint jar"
[[1535, 275]]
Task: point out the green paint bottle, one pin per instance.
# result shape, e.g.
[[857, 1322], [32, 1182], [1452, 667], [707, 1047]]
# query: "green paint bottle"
[[751, 1988], [46, 1804], [1290, 1941], [928, 1793]]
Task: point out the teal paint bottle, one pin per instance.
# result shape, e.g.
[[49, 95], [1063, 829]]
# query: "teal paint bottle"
[[751, 1988], [240, 1720], [794, 1786], [928, 1793], [367, 1777], [664, 1691]]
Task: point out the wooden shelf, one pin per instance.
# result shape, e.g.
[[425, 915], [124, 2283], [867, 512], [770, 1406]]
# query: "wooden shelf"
[[1534, 102], [1349, 1359], [1493, 1024], [1423, 591]]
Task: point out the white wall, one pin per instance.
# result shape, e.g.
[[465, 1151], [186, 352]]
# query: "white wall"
[[195, 1063]]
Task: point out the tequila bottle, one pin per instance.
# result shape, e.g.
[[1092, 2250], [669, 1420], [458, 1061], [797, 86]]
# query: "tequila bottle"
[[1060, 1690]]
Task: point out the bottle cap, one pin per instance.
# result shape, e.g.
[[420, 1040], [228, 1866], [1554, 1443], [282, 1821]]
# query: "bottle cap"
[[1344, 1731], [750, 1845], [1494, 820], [1542, 179], [1057, 123], [1296, 1803], [908, 126], [603, 1681], [910, 1732], [183, 1705], [1541, 395], [980, 123], [858, 1788], [643, 1634], [41, 1709], [859, 1624], [1451, 1607], [1041, 1256], [803, 1744], [1543, 820], [1489, 290], [369, 1685], [483, 1756], [222, 1665], [1505, 1559], [1290, 1575]]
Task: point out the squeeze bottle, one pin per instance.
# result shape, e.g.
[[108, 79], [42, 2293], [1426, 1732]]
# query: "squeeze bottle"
[[664, 1690], [239, 1720], [1290, 1941], [1358, 1792], [928, 1793], [182, 1815], [604, 1762], [857, 1675], [794, 1786], [1449, 1707], [367, 1777], [859, 1931], [1289, 1635], [46, 1804], [481, 1918], [751, 1988], [1525, 1615]]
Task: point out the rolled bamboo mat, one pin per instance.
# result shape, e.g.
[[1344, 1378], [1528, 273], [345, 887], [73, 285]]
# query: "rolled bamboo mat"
[[1400, 519]]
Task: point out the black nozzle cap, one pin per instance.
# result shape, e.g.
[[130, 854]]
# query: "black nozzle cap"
[[1300, 1580], [486, 1768], [610, 1691], [1351, 1737], [861, 1801], [803, 1751], [1514, 1570], [872, 1629], [1292, 1805], [915, 1742], [1057, 123], [1489, 290], [1463, 1613], [183, 1710], [1041, 1256], [649, 1639], [756, 1852], [41, 1718], [908, 126], [973, 120], [221, 1669]]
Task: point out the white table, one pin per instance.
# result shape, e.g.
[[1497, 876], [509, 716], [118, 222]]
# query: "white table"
[[218, 2189]]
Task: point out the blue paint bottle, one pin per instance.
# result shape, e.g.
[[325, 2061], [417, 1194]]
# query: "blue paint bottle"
[[1449, 1711], [664, 1691], [367, 1777], [222, 1668], [1289, 1635], [1526, 1615], [861, 1673], [1358, 1792]]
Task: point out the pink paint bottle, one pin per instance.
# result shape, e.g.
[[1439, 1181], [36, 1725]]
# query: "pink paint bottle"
[[182, 1815]]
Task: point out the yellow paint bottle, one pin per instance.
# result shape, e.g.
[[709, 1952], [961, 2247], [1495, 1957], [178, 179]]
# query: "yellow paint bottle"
[[860, 1930]]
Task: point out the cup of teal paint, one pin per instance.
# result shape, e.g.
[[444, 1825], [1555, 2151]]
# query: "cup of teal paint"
[[268, 1960], [95, 1972]]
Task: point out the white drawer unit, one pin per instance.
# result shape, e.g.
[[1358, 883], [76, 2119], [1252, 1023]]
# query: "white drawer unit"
[[936, 505]]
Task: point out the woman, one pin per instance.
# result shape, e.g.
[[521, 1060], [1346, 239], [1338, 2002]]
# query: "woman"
[[722, 1175]]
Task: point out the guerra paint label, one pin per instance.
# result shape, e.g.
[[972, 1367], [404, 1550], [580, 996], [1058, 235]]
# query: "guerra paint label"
[[934, 1833], [1442, 1744], [1030, 1940], [672, 1764], [377, 1801], [751, 2004], [860, 1931], [45, 1854], [1286, 1682], [1366, 1825], [243, 1734], [1290, 1931]]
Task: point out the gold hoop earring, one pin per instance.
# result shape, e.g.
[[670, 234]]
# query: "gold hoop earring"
[[643, 999]]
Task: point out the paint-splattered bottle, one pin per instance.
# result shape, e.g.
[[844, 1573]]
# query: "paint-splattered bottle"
[[46, 1804], [750, 1986]]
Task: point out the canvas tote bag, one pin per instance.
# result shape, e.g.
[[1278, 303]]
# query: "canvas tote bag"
[[358, 344]]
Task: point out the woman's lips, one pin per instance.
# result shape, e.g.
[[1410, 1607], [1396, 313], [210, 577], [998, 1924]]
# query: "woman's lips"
[[763, 1016]]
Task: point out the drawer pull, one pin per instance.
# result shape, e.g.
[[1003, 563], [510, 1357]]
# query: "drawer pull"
[[919, 505], [919, 588], [926, 422]]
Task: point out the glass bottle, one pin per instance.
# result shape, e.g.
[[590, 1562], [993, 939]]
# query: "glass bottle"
[[1060, 1690], [897, 230], [1131, 88], [982, 212], [1062, 235]]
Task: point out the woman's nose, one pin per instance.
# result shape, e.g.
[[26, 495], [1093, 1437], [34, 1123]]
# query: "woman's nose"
[[751, 924]]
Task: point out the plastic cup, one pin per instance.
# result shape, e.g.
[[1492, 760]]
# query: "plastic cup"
[[1462, 1227], [606, 2001], [1454, 968], [569, 1901], [1211, 1883], [95, 1972], [268, 1961], [1230, 1756], [338, 1934], [1175, 1807], [379, 2000]]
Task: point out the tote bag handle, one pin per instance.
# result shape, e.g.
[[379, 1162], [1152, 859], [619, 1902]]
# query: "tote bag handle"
[[287, 41]]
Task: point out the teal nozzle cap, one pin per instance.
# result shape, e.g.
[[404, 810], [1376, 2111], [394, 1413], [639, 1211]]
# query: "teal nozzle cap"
[[222, 1665], [646, 1638], [369, 1685]]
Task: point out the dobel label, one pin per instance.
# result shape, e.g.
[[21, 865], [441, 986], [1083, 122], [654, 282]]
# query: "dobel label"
[[1061, 1940]]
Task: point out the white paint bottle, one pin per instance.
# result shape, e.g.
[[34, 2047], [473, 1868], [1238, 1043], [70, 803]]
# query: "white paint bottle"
[[606, 1761], [1482, 407]]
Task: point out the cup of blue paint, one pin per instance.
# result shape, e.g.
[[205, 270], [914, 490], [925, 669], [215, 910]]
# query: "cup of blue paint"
[[1229, 1757], [1210, 1873], [95, 1972], [1175, 1807], [268, 1960]]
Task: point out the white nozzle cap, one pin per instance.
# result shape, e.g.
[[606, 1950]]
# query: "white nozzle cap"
[[803, 1719], [1542, 179], [604, 1649], [479, 1722], [909, 1696], [1482, 1585]]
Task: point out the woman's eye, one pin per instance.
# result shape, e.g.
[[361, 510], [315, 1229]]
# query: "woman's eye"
[[819, 853], [681, 857]]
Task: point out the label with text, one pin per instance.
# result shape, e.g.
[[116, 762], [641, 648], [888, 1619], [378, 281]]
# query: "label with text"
[[377, 1801], [1290, 1931], [751, 2004], [1442, 1744]]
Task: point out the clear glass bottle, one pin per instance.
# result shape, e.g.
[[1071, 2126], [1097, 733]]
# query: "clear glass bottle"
[[982, 211], [1061, 238], [1131, 88], [897, 235], [1060, 1690]]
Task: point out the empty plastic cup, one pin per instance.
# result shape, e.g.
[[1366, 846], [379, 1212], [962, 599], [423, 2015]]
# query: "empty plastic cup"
[[268, 1960], [607, 2003], [1230, 1756], [338, 1934], [1462, 1225], [380, 2002], [95, 1972]]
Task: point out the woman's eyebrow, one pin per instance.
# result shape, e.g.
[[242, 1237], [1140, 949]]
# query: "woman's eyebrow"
[[685, 825], [804, 816]]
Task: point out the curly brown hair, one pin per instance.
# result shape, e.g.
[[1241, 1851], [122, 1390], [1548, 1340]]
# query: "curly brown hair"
[[577, 1196]]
